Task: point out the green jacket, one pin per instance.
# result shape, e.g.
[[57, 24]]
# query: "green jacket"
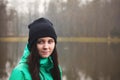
[[21, 72]]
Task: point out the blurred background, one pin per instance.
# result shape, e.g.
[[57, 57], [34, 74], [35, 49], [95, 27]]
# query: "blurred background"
[[88, 35]]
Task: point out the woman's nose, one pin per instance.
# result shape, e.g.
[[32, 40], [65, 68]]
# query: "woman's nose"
[[45, 46]]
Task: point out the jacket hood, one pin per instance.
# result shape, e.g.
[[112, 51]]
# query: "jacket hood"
[[26, 53]]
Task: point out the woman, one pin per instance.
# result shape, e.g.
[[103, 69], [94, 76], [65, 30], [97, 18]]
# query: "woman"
[[39, 61]]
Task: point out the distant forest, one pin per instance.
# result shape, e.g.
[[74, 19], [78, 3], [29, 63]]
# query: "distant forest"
[[98, 18]]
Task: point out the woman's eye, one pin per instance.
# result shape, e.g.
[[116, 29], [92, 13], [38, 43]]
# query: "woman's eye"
[[40, 42], [50, 41]]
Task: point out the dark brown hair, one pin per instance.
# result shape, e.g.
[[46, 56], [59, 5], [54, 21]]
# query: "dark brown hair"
[[34, 66]]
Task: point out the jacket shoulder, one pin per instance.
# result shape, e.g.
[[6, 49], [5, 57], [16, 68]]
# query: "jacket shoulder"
[[20, 71]]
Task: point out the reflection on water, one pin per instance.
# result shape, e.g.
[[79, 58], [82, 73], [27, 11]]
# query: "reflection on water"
[[10, 55], [90, 61], [79, 61]]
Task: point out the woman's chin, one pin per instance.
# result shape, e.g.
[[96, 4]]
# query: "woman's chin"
[[44, 56]]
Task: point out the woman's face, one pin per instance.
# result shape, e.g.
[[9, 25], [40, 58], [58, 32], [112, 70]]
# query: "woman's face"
[[45, 46]]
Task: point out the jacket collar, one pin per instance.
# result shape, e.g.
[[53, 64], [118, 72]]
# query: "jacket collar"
[[46, 63]]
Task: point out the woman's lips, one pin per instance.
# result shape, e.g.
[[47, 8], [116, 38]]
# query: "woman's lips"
[[45, 52]]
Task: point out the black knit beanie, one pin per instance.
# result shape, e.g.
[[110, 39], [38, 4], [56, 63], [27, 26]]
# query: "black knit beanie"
[[41, 27]]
